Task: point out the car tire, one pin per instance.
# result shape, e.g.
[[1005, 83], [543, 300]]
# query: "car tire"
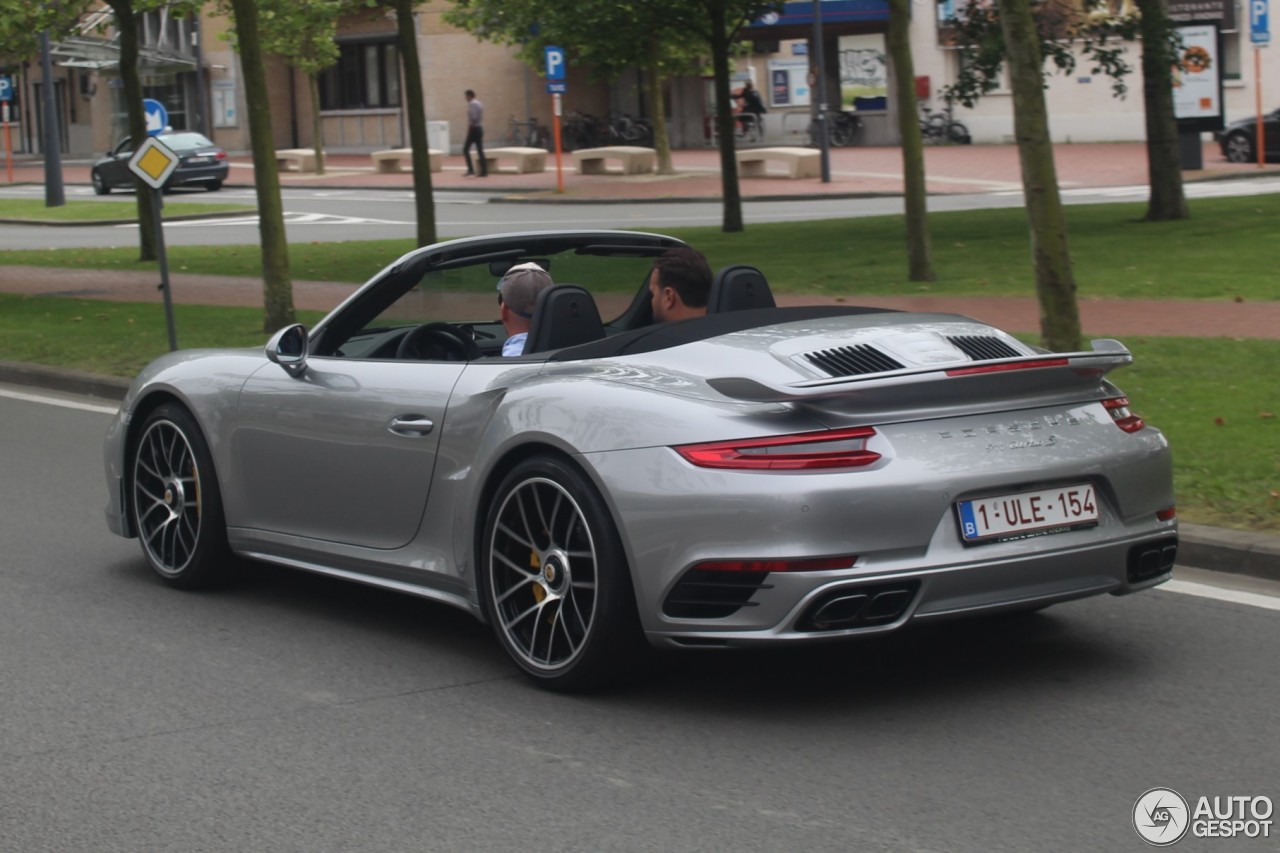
[[175, 502], [1239, 148], [99, 185], [555, 585], [213, 186]]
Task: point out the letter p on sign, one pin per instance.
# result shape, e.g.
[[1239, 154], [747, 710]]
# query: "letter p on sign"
[[555, 64]]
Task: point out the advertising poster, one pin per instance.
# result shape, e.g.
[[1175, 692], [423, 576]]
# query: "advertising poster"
[[1196, 88]]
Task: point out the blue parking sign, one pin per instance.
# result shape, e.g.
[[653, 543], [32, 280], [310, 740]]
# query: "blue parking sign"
[[6, 87], [1259, 23], [555, 64]]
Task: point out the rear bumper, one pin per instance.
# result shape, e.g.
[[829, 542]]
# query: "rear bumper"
[[941, 593]]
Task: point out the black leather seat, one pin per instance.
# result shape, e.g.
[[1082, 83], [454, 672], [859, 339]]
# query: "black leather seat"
[[565, 315], [737, 288]]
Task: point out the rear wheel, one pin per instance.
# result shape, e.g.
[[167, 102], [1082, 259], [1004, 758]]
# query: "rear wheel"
[[1239, 148], [99, 185], [175, 501], [213, 186], [556, 583]]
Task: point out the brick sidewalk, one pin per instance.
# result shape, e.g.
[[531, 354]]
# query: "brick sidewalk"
[[854, 171]]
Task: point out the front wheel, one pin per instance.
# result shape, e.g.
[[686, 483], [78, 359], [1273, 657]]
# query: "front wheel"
[[1239, 148], [99, 184], [556, 583], [175, 501]]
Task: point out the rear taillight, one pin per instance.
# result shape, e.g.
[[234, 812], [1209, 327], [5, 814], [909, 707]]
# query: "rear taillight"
[[840, 448], [221, 155], [1167, 514], [825, 564], [1125, 419]]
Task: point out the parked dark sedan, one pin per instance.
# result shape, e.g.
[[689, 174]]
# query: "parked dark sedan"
[[1239, 139], [200, 163]]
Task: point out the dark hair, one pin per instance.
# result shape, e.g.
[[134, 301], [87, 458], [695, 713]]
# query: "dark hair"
[[469, 93], [687, 272]]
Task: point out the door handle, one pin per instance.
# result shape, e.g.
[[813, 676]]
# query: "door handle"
[[411, 425]]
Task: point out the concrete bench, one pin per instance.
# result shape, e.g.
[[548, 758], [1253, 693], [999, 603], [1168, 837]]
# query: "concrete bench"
[[524, 159], [392, 159], [296, 159], [800, 162], [635, 160]]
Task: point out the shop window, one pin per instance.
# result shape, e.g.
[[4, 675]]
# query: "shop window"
[[366, 76]]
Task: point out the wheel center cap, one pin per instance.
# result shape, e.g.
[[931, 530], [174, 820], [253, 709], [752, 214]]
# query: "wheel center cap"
[[555, 572], [168, 497]]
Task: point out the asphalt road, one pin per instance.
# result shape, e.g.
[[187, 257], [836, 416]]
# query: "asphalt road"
[[355, 214], [297, 713]]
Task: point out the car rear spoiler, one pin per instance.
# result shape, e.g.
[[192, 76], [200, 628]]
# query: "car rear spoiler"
[[1032, 378]]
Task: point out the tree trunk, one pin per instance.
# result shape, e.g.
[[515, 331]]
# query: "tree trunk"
[[131, 84], [1164, 166], [724, 120], [277, 287], [317, 122], [658, 110], [1055, 283], [424, 199], [919, 248]]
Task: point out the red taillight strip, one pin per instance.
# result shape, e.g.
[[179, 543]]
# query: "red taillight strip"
[[736, 454], [1125, 419], [999, 368], [824, 564]]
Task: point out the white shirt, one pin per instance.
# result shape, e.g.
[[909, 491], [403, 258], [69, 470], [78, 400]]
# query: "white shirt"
[[515, 344]]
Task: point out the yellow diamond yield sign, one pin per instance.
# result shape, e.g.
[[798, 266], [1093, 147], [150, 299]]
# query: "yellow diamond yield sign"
[[154, 162]]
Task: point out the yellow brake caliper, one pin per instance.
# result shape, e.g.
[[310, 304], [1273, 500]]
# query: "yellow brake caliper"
[[539, 594]]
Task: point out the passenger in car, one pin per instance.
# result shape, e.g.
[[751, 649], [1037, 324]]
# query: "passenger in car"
[[679, 284], [517, 294]]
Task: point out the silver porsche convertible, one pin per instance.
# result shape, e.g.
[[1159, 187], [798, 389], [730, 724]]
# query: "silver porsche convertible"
[[760, 475]]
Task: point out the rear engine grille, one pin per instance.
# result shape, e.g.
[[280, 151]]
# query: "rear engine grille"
[[983, 347], [852, 360], [1152, 559], [859, 607], [708, 594]]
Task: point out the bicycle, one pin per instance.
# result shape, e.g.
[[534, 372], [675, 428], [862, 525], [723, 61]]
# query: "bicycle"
[[747, 127], [940, 128], [846, 129], [525, 134], [625, 130], [843, 130]]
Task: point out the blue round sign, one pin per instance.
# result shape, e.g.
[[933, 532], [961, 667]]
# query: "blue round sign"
[[157, 116]]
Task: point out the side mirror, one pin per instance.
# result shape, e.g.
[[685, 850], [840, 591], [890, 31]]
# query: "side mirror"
[[288, 348]]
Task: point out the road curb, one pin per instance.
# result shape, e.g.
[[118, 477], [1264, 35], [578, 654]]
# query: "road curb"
[[1200, 546]]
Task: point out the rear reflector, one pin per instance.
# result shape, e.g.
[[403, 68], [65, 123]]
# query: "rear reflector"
[[825, 564], [1167, 514], [1125, 419], [840, 448]]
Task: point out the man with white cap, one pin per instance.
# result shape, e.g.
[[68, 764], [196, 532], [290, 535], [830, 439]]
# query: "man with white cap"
[[517, 294]]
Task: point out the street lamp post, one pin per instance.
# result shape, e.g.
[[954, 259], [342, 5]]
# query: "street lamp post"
[[54, 194], [820, 122]]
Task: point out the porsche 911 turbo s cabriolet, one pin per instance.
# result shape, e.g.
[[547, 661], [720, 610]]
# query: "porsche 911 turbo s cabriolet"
[[760, 475]]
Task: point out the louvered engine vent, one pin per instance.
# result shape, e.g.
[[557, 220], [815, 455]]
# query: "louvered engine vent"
[[852, 361], [983, 347]]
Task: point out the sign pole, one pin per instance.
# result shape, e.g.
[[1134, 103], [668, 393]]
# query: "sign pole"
[[1259, 145], [164, 270], [555, 123], [8, 145]]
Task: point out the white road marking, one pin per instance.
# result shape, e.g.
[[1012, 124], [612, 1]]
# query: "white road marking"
[[57, 401], [1234, 596]]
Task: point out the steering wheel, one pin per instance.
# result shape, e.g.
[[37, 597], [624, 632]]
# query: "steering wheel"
[[436, 342]]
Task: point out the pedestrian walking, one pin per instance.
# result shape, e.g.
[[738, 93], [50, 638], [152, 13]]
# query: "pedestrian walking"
[[475, 136]]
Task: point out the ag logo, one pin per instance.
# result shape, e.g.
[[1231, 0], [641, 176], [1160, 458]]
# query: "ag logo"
[[1161, 817]]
